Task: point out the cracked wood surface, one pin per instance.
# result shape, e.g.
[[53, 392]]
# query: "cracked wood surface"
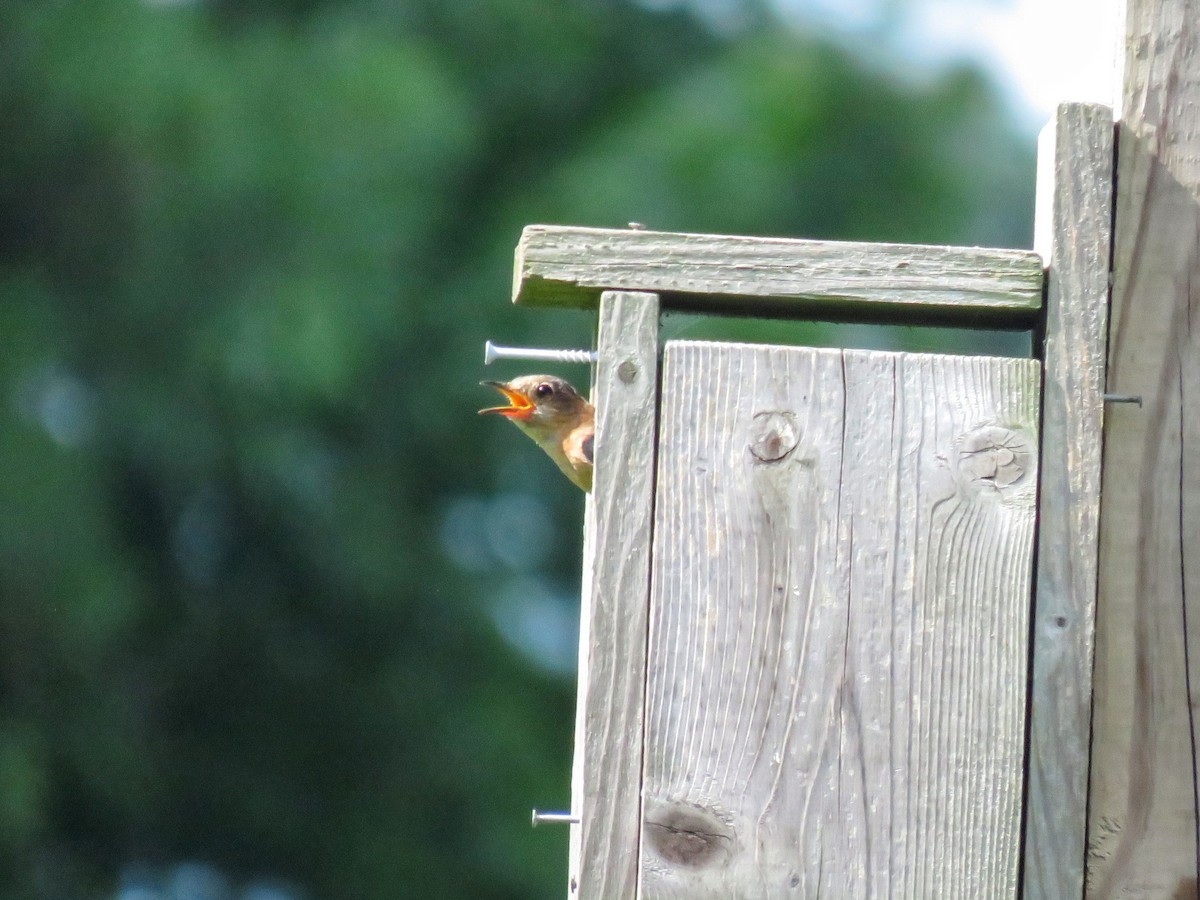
[[1143, 811], [839, 622]]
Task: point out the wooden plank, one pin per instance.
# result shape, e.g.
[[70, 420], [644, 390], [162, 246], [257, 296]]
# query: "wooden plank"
[[607, 778], [1075, 196], [1143, 811], [839, 624], [558, 266]]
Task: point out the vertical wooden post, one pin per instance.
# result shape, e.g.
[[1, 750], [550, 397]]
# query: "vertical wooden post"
[[1073, 232], [1143, 809], [607, 779]]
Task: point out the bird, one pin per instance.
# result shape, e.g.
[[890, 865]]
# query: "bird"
[[556, 417]]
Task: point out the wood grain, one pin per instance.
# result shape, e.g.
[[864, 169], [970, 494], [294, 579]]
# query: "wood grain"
[[1075, 195], [839, 624], [607, 778], [560, 266], [1143, 812]]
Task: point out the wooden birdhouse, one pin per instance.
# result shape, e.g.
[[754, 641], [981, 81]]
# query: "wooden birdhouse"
[[837, 604]]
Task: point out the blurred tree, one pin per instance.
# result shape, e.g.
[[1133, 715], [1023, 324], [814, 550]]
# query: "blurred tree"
[[271, 598]]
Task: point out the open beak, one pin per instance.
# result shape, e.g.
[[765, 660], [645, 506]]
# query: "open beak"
[[519, 406]]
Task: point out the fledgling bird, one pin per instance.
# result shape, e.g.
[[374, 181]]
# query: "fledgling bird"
[[558, 419]]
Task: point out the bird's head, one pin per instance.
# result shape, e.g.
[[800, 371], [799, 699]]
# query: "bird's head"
[[539, 402], [558, 419]]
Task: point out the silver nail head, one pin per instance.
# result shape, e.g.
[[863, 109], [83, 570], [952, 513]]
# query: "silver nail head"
[[554, 818]]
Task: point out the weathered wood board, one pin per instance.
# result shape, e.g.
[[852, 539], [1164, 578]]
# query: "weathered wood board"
[[606, 781], [1143, 815], [839, 617], [1075, 226], [832, 280]]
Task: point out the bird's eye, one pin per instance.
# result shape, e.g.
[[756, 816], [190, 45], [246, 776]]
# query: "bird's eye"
[[543, 390]]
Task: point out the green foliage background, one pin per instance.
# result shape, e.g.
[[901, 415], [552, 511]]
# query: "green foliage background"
[[274, 602]]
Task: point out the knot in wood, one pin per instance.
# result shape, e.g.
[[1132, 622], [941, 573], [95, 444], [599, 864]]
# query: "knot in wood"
[[689, 837], [773, 435], [995, 458]]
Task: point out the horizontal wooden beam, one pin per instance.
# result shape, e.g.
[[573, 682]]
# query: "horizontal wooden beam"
[[569, 267]]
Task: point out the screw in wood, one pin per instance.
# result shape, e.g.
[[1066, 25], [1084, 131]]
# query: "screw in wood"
[[493, 352], [554, 818], [1123, 398]]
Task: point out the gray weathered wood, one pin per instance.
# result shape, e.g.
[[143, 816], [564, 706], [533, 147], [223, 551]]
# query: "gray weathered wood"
[[1075, 196], [839, 624], [559, 266], [606, 784], [1142, 810]]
